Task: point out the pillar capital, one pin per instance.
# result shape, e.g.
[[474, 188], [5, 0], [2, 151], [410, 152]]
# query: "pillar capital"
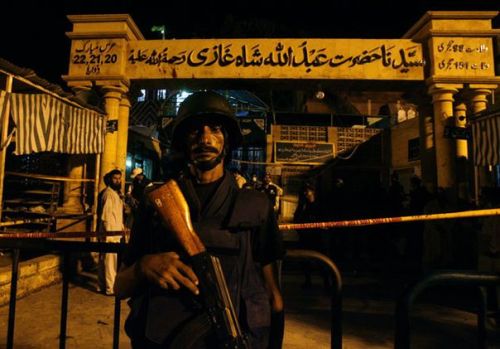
[[114, 91], [478, 95], [125, 101], [443, 92]]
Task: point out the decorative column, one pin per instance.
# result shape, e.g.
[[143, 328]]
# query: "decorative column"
[[442, 100], [460, 121], [122, 136], [112, 96], [73, 189], [463, 172]]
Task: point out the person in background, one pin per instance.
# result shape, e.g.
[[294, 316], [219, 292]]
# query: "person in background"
[[110, 218], [237, 226], [254, 181], [419, 196], [396, 195], [238, 176], [308, 211], [438, 234], [136, 189], [395, 199], [272, 190]]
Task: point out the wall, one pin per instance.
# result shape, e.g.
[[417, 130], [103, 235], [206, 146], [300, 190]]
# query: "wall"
[[34, 274]]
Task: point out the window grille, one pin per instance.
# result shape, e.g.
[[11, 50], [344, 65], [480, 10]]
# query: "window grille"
[[348, 137], [304, 133]]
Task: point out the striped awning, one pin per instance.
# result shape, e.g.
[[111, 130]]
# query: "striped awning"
[[45, 123], [486, 140]]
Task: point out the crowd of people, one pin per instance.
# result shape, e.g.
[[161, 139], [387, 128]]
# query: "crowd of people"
[[273, 191], [416, 246]]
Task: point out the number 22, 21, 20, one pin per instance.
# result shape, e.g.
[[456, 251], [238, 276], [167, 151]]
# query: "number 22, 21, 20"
[[95, 59]]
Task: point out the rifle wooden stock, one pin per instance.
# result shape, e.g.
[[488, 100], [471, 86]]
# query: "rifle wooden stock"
[[174, 211]]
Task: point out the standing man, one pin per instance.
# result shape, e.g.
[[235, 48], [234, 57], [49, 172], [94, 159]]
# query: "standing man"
[[135, 193], [237, 226], [110, 213], [139, 183], [273, 191]]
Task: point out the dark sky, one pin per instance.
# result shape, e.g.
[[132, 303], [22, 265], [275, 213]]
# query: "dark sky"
[[36, 39]]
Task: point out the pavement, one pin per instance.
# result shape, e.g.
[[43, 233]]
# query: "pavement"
[[443, 318]]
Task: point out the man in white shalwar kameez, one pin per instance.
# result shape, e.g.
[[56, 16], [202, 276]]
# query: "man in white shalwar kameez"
[[111, 219]]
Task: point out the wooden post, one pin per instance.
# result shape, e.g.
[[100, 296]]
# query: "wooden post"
[[3, 138]]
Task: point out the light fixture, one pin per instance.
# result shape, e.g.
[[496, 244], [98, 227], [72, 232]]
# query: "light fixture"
[[319, 94]]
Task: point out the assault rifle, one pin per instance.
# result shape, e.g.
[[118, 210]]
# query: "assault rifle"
[[174, 211]]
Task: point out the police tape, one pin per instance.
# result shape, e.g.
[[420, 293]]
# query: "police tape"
[[291, 226], [61, 235], [387, 220]]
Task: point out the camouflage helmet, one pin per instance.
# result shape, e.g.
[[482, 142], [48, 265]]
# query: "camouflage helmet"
[[210, 105]]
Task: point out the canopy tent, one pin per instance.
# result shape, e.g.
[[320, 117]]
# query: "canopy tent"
[[46, 118], [45, 123], [486, 139], [43, 118]]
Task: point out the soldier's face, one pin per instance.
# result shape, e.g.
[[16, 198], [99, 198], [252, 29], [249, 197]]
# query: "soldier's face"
[[205, 141]]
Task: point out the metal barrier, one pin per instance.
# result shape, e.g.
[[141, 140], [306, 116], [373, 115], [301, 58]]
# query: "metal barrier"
[[336, 297], [66, 247], [455, 278]]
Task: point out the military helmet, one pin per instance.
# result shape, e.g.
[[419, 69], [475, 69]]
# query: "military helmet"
[[210, 105]]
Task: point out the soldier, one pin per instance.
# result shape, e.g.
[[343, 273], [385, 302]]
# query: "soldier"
[[238, 226]]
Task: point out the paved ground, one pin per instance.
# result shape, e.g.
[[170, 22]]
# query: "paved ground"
[[443, 321]]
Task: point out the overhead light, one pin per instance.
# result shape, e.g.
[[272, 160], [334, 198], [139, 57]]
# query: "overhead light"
[[319, 94]]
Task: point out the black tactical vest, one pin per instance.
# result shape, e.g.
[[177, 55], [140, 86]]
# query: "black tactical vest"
[[227, 229]]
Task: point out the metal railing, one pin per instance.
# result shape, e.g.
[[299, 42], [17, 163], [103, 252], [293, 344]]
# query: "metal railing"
[[66, 247], [444, 278], [336, 296]]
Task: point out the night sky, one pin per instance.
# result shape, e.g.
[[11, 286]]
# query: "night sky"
[[37, 37]]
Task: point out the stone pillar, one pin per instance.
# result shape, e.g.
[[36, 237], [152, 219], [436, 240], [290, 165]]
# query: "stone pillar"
[[112, 96], [73, 201], [460, 121], [442, 100], [73, 190], [463, 170], [122, 136]]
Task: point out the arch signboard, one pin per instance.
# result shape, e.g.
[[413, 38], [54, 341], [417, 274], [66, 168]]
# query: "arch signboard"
[[391, 59], [107, 47]]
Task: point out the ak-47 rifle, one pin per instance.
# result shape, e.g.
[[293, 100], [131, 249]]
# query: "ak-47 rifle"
[[174, 211]]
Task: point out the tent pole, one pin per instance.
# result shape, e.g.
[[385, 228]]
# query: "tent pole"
[[3, 138], [96, 190]]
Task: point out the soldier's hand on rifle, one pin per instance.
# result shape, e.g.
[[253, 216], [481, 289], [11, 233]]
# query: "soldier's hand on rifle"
[[168, 271]]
